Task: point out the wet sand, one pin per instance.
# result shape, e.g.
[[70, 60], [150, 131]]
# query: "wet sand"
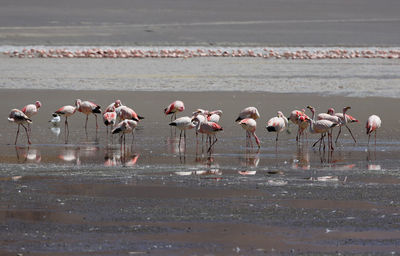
[[92, 197]]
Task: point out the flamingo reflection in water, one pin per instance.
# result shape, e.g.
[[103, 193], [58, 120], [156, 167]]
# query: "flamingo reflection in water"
[[250, 162], [205, 167], [70, 155], [116, 157], [27, 154], [301, 159]]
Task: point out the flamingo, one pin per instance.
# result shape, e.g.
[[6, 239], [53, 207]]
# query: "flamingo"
[[31, 110], [183, 123], [277, 124], [249, 112], [66, 111], [344, 121], [320, 126], [109, 118], [124, 127], [214, 116], [113, 106], [87, 108], [124, 112], [250, 125], [18, 117], [373, 124], [294, 117], [176, 106], [209, 128]]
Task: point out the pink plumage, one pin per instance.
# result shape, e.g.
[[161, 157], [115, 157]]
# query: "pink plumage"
[[250, 125]]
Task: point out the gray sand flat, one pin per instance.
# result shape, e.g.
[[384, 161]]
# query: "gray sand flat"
[[223, 22], [355, 77]]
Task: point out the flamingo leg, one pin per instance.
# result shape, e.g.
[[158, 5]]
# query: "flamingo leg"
[[184, 138], [179, 144], [97, 126], [87, 117], [215, 140], [375, 138], [319, 140], [330, 139], [369, 136], [16, 137], [351, 134], [340, 130], [27, 134]]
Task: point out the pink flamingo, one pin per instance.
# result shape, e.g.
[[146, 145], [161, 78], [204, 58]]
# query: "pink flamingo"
[[113, 106], [183, 123], [124, 127], [18, 117], [214, 116], [294, 117], [209, 128], [124, 113], [250, 125], [87, 108], [176, 106], [343, 121], [373, 124], [109, 118], [66, 111], [31, 110], [249, 112], [277, 124], [322, 127]]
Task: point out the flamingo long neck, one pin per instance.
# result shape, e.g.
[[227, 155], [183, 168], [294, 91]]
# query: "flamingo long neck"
[[312, 121], [344, 116]]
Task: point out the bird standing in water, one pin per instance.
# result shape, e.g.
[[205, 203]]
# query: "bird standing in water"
[[173, 108], [66, 111], [250, 125], [373, 124], [277, 124], [87, 108], [18, 117], [31, 110]]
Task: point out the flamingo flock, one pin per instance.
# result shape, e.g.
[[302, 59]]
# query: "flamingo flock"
[[267, 53], [123, 120]]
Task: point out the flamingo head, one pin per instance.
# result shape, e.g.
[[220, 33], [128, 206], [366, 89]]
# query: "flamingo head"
[[331, 111], [117, 103], [280, 114], [311, 108], [38, 104], [78, 103], [346, 108]]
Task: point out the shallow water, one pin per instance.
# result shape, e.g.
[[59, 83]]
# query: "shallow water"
[[75, 197]]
